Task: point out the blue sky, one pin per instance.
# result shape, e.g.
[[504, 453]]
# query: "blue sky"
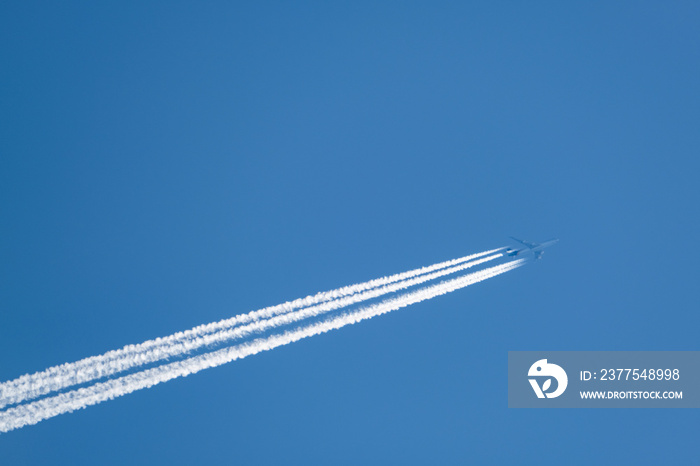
[[171, 164]]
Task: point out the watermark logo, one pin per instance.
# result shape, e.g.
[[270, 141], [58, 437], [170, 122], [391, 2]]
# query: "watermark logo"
[[544, 370]]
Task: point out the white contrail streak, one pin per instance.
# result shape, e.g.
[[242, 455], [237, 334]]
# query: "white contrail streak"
[[37, 411], [68, 375]]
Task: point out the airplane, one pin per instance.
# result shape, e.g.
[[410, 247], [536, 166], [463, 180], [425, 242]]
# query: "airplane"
[[536, 248]]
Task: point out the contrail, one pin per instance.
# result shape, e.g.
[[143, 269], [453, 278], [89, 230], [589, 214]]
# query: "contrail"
[[67, 375], [31, 386], [37, 411]]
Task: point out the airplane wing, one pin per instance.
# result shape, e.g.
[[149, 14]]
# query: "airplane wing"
[[526, 243]]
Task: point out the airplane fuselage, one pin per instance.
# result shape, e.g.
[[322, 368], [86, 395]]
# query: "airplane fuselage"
[[546, 244], [536, 248]]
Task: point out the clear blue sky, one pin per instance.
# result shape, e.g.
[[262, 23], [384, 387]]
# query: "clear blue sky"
[[168, 164]]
